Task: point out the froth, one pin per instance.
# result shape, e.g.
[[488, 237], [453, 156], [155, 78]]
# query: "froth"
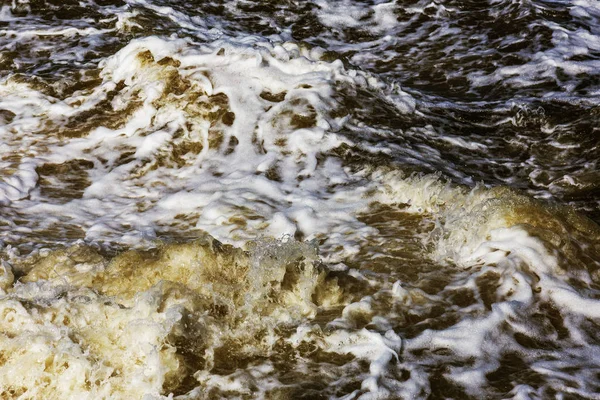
[[521, 261], [210, 137], [432, 289], [143, 323]]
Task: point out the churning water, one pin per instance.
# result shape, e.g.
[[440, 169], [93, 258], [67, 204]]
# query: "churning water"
[[290, 199]]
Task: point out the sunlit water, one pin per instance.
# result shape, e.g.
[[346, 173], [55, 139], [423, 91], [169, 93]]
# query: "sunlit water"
[[299, 200]]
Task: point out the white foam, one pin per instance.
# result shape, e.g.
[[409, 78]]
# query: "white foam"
[[265, 170], [18, 185], [241, 73]]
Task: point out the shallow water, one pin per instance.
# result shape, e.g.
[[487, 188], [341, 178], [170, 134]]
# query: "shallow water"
[[284, 200]]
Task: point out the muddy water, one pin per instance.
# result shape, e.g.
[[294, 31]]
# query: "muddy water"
[[280, 200]]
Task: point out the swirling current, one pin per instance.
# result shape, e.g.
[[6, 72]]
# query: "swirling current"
[[289, 199]]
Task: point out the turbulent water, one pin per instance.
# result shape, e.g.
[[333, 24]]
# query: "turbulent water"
[[290, 199]]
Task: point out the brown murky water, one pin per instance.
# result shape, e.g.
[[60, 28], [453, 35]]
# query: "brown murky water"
[[283, 200]]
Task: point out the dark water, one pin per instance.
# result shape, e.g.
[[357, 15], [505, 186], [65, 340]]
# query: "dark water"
[[300, 199]]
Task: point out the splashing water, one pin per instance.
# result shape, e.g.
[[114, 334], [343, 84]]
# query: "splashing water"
[[345, 200]]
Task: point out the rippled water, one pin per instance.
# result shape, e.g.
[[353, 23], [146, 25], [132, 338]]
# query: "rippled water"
[[299, 200]]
